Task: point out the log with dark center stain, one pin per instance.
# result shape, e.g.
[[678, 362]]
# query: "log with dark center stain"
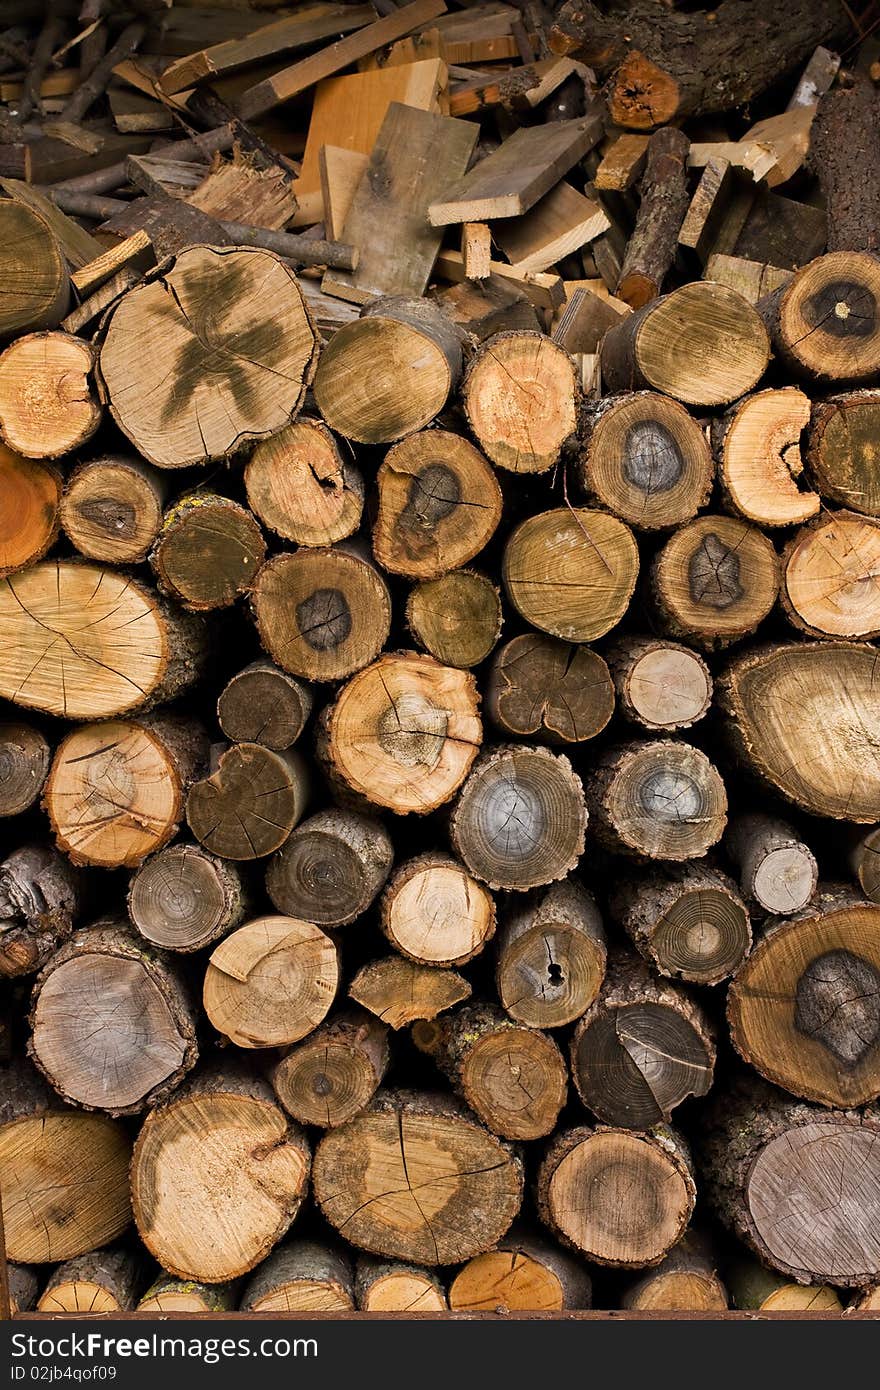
[[652, 461], [714, 574], [837, 1003], [434, 495], [324, 619], [843, 309]]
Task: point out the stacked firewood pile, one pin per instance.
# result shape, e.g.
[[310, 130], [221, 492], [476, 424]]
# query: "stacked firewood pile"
[[440, 742]]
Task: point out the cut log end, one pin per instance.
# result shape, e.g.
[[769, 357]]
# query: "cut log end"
[[47, 402]]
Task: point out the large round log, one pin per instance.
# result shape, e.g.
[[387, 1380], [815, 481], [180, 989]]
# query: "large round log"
[[715, 580], [457, 617], [335, 1072], [47, 400], [538, 685], [520, 395], [759, 459], [250, 803], [688, 922], [657, 799], [830, 582], [299, 485], [183, 898], [207, 552], [825, 322]]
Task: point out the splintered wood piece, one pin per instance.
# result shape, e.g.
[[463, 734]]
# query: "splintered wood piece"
[[415, 1177], [34, 284], [41, 896], [223, 1147], [299, 485], [47, 405], [754, 1286], [512, 179], [830, 577], [135, 252], [183, 898], [24, 763], [586, 318], [520, 819], [759, 458], [29, 519], [322, 613], [457, 618], [551, 957], [391, 1286], [399, 991], [333, 1074], [112, 509], [404, 732], [439, 505], [520, 395], [685, 1281], [641, 1049], [64, 1173], [752, 279], [389, 373], [435, 913], [538, 685], [241, 192], [115, 790], [300, 1277], [715, 580], [571, 572], [169, 1295], [704, 344], [557, 226], [207, 551], [263, 704], [663, 193], [522, 1275], [340, 172], [476, 248], [113, 1023], [785, 707], [622, 1199], [661, 685], [689, 923], [842, 447], [804, 1008], [247, 808], [331, 868], [712, 211], [659, 799], [271, 982], [622, 163], [646, 459], [825, 324], [188, 382]]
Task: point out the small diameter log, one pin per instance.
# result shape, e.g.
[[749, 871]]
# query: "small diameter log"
[[103, 1281], [660, 685], [299, 485], [685, 1281], [797, 1184], [112, 509], [753, 1286], [300, 1277], [34, 283], [29, 520], [646, 459], [47, 402], [247, 808], [23, 1286], [456, 618], [64, 1174], [186, 385], [24, 762], [863, 859], [571, 572], [522, 1275], [271, 982], [551, 957], [87, 642], [263, 704], [207, 551], [843, 153], [435, 913], [520, 395], [865, 1300], [641, 1049], [804, 717], [829, 583], [760, 467], [439, 504], [331, 868], [40, 899], [776, 869], [825, 323], [404, 732], [620, 1198], [658, 799], [322, 613], [389, 373], [183, 898], [664, 195], [390, 1286], [399, 991], [223, 1148], [449, 1189], [333, 1075], [538, 685], [689, 923], [114, 1026], [115, 791], [704, 344], [842, 448], [804, 1009], [513, 1078], [520, 819], [168, 1295], [715, 580]]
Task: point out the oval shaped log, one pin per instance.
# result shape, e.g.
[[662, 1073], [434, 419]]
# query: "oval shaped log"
[[223, 1147], [169, 1295], [47, 402], [777, 870], [520, 395], [183, 898], [520, 819], [34, 283], [300, 1277], [538, 685], [661, 685], [333, 1074], [103, 1281], [112, 509], [842, 447], [685, 1281], [551, 957], [522, 1275], [392, 1286], [207, 551], [825, 322], [646, 459], [24, 764], [715, 580], [322, 613], [399, 991], [760, 467], [415, 1177], [41, 895], [456, 618], [29, 520], [657, 799], [435, 913], [271, 982], [247, 808], [439, 504], [299, 485], [829, 584], [571, 572], [331, 868], [263, 704]]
